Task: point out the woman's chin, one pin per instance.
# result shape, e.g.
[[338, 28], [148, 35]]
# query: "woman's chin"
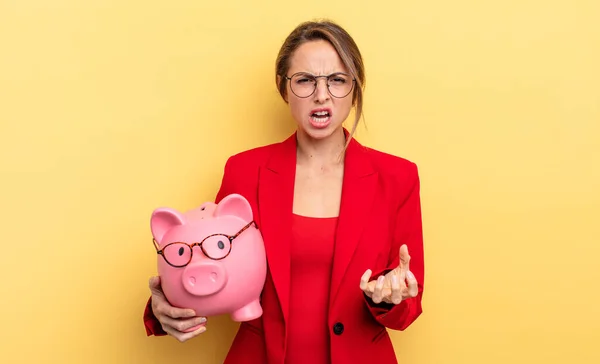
[[321, 131]]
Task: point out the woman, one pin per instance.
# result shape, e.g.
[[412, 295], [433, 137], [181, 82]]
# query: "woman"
[[338, 220]]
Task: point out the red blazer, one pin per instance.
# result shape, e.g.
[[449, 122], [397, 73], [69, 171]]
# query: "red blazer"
[[380, 210]]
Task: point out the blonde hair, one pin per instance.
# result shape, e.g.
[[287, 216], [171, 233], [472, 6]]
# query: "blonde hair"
[[343, 44]]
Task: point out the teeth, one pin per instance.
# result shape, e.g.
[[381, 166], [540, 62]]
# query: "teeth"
[[320, 119], [321, 113]]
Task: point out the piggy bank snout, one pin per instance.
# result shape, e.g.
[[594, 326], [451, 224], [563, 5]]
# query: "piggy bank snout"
[[206, 278]]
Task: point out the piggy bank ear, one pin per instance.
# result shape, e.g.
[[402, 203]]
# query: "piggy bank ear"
[[163, 220], [235, 205]]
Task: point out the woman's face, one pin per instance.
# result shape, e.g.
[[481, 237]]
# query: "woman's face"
[[320, 114]]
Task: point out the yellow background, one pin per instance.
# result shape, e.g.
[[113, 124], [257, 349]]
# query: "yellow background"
[[109, 109]]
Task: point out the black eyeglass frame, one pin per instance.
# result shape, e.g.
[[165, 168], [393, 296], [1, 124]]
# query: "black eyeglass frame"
[[327, 77], [191, 246]]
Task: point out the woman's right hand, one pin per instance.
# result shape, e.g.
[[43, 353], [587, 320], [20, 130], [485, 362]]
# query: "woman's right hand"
[[175, 321]]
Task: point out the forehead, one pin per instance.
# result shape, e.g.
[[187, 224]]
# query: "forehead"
[[318, 57]]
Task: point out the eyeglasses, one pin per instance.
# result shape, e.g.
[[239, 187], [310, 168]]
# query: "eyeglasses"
[[304, 84], [215, 246]]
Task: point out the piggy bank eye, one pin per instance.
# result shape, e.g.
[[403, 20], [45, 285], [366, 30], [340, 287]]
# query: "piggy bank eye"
[[178, 254], [216, 247]]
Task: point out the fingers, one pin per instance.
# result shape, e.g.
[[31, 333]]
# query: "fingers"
[[364, 282], [177, 313], [396, 289], [174, 320], [183, 336], [160, 305], [404, 258], [189, 335], [180, 328], [154, 285], [177, 322], [378, 292], [413, 288], [162, 308], [182, 325]]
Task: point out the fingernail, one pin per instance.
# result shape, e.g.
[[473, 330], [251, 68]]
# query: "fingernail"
[[202, 320], [394, 279], [380, 279], [410, 275]]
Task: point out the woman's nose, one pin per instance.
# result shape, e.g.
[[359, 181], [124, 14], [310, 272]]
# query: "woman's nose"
[[321, 92]]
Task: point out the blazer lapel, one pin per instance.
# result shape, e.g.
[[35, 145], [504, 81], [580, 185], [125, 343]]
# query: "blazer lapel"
[[275, 205], [358, 192]]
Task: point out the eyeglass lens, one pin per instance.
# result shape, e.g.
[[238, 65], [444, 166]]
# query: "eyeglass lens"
[[215, 247], [304, 85]]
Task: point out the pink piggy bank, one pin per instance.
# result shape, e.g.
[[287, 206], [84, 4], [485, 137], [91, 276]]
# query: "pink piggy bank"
[[212, 258]]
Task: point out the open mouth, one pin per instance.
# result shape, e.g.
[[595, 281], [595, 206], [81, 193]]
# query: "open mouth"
[[320, 116]]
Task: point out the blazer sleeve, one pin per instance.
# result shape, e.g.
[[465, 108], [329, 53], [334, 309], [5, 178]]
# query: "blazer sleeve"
[[407, 230], [151, 323]]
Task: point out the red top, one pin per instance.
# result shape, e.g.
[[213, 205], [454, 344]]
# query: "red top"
[[311, 262]]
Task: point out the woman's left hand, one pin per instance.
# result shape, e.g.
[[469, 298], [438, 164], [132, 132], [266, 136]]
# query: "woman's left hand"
[[395, 286]]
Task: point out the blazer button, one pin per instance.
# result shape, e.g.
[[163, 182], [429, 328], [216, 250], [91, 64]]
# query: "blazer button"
[[338, 328]]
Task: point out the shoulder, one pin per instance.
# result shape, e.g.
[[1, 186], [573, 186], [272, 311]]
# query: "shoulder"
[[251, 158], [241, 171], [246, 164], [392, 167], [398, 177]]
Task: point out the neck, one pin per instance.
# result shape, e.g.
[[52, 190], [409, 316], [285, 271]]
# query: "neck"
[[323, 152]]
